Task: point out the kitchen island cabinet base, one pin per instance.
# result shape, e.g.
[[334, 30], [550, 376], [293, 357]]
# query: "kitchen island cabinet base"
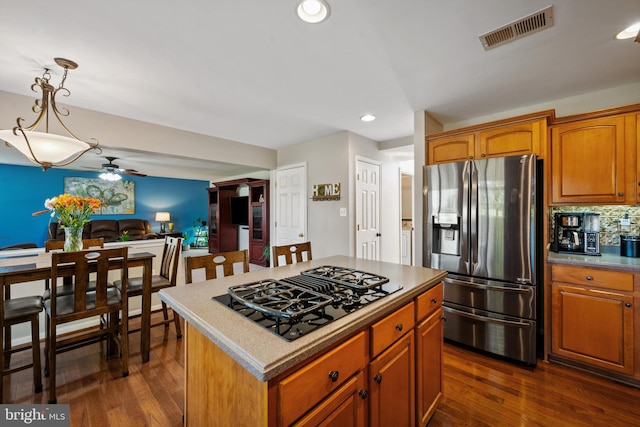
[[244, 397]]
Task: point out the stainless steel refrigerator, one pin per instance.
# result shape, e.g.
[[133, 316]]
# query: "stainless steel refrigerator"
[[480, 226]]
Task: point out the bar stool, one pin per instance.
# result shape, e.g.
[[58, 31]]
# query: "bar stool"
[[166, 278], [16, 311]]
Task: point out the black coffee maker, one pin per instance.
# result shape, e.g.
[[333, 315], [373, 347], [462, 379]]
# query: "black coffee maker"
[[576, 232]]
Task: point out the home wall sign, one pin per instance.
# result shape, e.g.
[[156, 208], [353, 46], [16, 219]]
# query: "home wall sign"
[[116, 197], [326, 191]]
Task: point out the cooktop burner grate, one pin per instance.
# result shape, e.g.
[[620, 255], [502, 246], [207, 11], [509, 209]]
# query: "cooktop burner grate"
[[294, 306], [347, 276], [278, 298]]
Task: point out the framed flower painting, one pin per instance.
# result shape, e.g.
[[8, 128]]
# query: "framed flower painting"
[[116, 197]]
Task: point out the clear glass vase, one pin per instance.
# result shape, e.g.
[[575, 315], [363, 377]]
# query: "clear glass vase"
[[72, 239]]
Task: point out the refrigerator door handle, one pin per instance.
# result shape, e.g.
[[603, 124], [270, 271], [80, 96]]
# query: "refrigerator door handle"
[[473, 217], [466, 183], [517, 323]]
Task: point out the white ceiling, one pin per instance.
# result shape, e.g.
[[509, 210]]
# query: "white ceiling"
[[252, 72]]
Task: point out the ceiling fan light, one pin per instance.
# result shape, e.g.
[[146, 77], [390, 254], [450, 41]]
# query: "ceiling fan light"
[[110, 176], [313, 11], [629, 32]]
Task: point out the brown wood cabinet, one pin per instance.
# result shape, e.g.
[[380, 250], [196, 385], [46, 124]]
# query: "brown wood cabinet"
[[429, 337], [258, 221], [392, 385], [223, 233], [345, 407], [519, 135], [392, 369], [593, 317], [213, 221], [593, 161]]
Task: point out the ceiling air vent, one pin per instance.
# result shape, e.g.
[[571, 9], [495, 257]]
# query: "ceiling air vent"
[[522, 27]]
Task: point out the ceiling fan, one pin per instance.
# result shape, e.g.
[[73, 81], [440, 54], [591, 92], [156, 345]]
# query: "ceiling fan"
[[111, 171]]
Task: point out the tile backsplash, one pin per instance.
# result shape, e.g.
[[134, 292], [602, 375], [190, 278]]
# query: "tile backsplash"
[[610, 216]]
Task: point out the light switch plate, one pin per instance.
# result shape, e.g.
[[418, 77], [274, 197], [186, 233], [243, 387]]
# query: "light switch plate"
[[625, 221], [343, 211]]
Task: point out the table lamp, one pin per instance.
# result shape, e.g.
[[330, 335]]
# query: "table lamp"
[[162, 217]]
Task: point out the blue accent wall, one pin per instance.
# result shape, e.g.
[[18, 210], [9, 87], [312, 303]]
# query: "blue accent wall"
[[23, 190]]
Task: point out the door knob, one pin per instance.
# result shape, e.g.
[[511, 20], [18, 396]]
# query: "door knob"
[[301, 235]]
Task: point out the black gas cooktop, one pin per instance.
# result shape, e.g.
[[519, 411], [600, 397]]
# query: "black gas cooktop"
[[294, 306]]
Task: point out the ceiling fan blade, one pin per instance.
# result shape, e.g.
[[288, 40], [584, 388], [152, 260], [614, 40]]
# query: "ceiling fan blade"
[[132, 172]]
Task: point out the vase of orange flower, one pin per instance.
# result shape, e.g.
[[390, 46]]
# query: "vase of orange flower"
[[72, 212]]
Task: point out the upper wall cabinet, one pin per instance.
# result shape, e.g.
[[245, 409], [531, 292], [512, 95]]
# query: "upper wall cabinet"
[[593, 160], [519, 135]]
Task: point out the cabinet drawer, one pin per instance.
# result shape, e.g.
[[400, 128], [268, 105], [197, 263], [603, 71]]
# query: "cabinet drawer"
[[302, 390], [428, 302], [392, 327], [586, 276]]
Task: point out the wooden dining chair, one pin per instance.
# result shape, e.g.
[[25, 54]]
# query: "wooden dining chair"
[[22, 310], [293, 253], [58, 245], [27, 309], [165, 279], [226, 262], [84, 303], [52, 245]]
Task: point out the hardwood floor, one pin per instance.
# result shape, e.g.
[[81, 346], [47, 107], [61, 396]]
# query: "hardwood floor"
[[484, 391], [98, 395], [479, 391]]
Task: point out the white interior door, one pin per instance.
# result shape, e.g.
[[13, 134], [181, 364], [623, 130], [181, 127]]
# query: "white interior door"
[[368, 209], [291, 205]]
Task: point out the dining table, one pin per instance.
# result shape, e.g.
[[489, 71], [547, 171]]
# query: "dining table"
[[13, 272]]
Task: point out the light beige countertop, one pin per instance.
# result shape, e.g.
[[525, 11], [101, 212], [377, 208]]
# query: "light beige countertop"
[[606, 260], [261, 352]]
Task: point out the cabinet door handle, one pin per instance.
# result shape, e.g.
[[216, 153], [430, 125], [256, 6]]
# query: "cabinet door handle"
[[589, 278], [399, 326], [363, 394], [377, 378], [434, 300], [334, 376], [620, 194], [483, 155], [627, 304]]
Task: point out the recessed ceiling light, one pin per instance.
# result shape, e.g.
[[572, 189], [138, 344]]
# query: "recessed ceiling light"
[[368, 118], [313, 11], [629, 32]]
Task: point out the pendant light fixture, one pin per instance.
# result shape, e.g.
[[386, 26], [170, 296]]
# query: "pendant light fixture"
[[44, 148], [313, 11]]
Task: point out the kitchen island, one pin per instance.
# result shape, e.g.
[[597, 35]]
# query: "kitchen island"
[[238, 373]]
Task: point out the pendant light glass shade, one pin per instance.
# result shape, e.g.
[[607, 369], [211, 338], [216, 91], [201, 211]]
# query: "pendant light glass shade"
[[44, 148]]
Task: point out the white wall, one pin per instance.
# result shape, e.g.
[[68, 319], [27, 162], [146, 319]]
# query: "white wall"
[[327, 162], [333, 159]]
